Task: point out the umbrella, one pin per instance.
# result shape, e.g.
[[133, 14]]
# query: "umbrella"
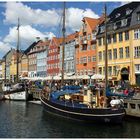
[[97, 76]]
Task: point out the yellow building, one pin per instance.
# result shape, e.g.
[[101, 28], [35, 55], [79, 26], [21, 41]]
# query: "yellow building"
[[24, 66], [123, 44], [13, 66]]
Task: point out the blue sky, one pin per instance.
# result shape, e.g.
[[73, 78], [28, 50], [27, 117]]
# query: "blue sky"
[[43, 19]]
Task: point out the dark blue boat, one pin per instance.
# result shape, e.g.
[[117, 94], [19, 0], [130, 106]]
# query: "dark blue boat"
[[78, 110]]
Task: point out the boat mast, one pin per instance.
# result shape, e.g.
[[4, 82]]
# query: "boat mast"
[[106, 53], [17, 52], [63, 47], [5, 69]]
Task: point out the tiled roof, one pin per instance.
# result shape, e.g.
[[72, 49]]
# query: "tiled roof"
[[58, 41], [71, 36], [92, 22]]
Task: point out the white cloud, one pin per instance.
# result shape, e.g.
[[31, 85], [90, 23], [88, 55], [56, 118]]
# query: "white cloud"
[[4, 47], [47, 18], [27, 36], [28, 15], [75, 16]]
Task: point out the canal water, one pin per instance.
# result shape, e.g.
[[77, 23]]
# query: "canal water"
[[27, 120]]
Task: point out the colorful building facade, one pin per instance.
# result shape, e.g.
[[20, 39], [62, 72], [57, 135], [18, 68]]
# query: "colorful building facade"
[[53, 65], [122, 44], [41, 58], [86, 47]]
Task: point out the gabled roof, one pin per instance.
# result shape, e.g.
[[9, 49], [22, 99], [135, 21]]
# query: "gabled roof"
[[71, 36], [92, 22], [30, 47], [58, 41]]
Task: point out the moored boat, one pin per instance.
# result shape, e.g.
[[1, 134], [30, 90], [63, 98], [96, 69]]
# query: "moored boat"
[[80, 106]]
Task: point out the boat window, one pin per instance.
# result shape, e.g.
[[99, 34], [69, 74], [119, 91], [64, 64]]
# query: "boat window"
[[133, 106], [125, 105]]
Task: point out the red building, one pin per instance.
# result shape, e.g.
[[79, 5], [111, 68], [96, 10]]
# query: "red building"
[[53, 65]]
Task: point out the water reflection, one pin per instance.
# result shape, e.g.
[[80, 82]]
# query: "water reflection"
[[26, 120]]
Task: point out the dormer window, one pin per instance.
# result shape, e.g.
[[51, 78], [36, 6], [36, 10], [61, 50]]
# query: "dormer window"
[[128, 11], [138, 16], [117, 15], [102, 29], [114, 26], [123, 22]]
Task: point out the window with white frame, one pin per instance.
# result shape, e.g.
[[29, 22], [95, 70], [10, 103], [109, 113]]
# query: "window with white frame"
[[89, 59], [114, 70], [123, 22], [89, 37], [127, 53], [137, 67], [109, 54], [93, 58], [93, 46], [120, 36], [136, 33], [84, 59], [137, 52], [121, 52], [126, 35]]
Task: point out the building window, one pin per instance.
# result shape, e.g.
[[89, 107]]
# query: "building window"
[[100, 70], [109, 70], [114, 38], [84, 48], [88, 47], [137, 52], [120, 36], [84, 59], [94, 59], [102, 29], [127, 53], [93, 36], [115, 53], [89, 37], [89, 59], [137, 34], [126, 35], [138, 16], [109, 39], [100, 56], [123, 22], [121, 52], [137, 68], [94, 47], [109, 54], [114, 70], [100, 41]]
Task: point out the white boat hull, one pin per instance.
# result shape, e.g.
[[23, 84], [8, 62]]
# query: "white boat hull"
[[22, 95]]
